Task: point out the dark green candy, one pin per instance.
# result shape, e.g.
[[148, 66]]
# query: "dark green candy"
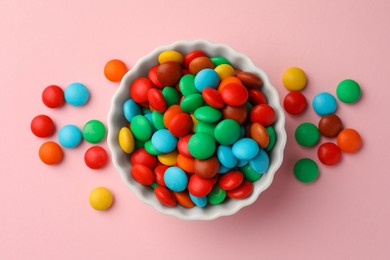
[[307, 134], [216, 195], [250, 174], [306, 170], [171, 96]]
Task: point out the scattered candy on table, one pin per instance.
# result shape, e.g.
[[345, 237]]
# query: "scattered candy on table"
[[114, 70], [348, 91], [76, 94], [306, 170], [53, 96], [96, 157], [204, 129], [294, 79], [51, 153], [70, 136], [42, 126], [101, 198]]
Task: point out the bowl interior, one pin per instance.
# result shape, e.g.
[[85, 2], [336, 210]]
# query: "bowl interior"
[[116, 121]]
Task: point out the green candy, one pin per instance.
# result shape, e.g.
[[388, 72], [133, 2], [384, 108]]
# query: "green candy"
[[207, 114], [250, 174], [227, 132], [218, 60], [348, 91], [272, 138], [146, 110], [306, 170], [154, 185], [201, 146], [138, 144], [248, 107], [141, 128], [187, 85], [307, 134], [94, 131], [150, 148], [216, 195], [202, 127], [171, 96], [158, 120], [191, 102]]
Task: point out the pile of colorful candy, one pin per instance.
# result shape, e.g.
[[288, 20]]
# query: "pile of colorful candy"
[[329, 126], [199, 130]]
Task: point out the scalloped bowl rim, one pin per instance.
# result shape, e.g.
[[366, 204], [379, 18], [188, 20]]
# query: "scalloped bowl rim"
[[116, 121]]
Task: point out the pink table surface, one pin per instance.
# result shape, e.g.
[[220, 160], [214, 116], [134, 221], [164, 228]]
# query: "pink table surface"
[[44, 211]]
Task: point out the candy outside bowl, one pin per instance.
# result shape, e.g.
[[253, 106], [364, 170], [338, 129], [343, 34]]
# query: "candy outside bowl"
[[117, 120]]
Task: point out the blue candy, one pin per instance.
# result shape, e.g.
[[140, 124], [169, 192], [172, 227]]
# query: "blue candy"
[[76, 94], [242, 163], [324, 104], [245, 149], [261, 162], [69, 136], [175, 179], [164, 141], [206, 78], [222, 169], [199, 201], [226, 157], [131, 109]]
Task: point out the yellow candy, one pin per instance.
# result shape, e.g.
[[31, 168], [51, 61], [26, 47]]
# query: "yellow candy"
[[126, 140], [170, 55], [168, 159], [224, 71], [294, 79], [101, 198], [194, 121]]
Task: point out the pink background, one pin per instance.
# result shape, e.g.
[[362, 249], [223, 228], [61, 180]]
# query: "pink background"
[[44, 211]]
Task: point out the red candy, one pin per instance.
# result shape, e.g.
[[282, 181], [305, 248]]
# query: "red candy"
[[192, 55], [241, 192], [42, 126], [234, 94], [141, 156], [159, 172], [263, 114], [231, 180], [165, 196], [198, 186], [156, 100], [53, 96], [152, 75], [295, 103], [182, 145], [95, 157], [329, 153], [139, 90], [256, 97], [213, 98], [180, 124], [143, 174]]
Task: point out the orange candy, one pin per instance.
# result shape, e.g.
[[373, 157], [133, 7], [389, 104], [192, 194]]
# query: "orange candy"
[[227, 81], [115, 70], [186, 163], [349, 140], [184, 199], [51, 153], [259, 134]]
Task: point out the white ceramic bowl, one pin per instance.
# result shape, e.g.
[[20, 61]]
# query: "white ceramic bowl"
[[116, 121]]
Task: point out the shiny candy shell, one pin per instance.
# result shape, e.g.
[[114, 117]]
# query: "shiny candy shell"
[[164, 141], [131, 109], [213, 98], [207, 114], [324, 103], [169, 73], [206, 78], [141, 128], [198, 186], [259, 133], [227, 132], [201, 202], [249, 79], [207, 168], [180, 125], [263, 114], [126, 140], [234, 94], [231, 180], [165, 196], [226, 157], [260, 162], [241, 192], [139, 89], [245, 149], [143, 174], [156, 100], [175, 179]]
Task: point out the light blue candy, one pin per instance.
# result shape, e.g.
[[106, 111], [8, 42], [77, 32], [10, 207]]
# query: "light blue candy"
[[175, 179], [131, 109], [245, 149], [261, 162], [222, 169], [199, 201], [70, 136], [206, 78], [76, 94], [164, 141], [324, 104], [242, 163], [226, 157], [149, 117]]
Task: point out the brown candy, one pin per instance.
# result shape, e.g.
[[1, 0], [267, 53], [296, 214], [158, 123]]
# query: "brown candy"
[[330, 125], [236, 113], [259, 134], [199, 64], [169, 73], [250, 80], [206, 168]]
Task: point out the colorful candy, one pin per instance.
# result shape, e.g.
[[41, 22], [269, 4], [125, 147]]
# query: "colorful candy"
[[76, 94], [294, 79], [70, 136], [51, 153], [199, 130], [53, 96], [324, 104], [42, 126], [329, 153], [307, 134], [330, 125], [306, 170], [294, 103], [95, 157], [114, 70], [349, 140], [94, 131], [348, 91], [101, 198]]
